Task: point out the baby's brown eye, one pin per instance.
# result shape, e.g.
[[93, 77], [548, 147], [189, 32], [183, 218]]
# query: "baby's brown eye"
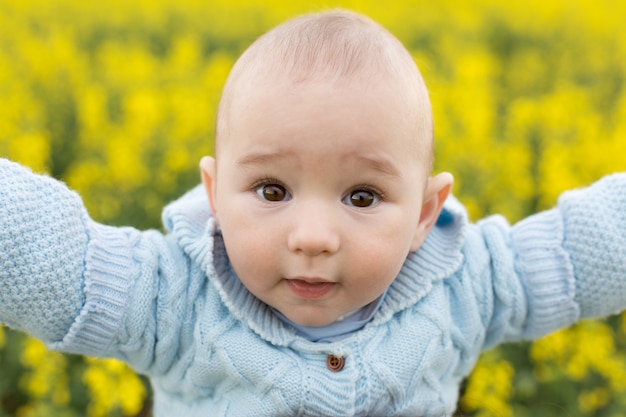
[[361, 198], [272, 192]]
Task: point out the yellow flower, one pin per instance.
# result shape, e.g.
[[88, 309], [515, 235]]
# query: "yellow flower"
[[489, 388], [591, 401], [113, 386], [119, 99], [47, 380]]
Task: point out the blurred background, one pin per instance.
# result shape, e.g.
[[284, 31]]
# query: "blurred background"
[[117, 98]]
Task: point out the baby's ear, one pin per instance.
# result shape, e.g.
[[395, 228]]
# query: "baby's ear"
[[437, 190], [208, 171]]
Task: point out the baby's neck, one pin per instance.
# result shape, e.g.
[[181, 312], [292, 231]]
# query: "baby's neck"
[[339, 329]]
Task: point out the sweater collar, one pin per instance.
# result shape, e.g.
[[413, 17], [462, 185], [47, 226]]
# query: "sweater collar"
[[195, 230]]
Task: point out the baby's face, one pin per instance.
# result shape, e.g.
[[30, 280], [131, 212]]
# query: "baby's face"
[[318, 192]]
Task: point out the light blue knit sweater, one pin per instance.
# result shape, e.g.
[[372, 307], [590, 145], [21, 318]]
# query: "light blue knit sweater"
[[170, 306]]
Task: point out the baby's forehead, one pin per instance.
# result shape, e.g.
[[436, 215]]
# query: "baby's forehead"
[[352, 119], [331, 47]]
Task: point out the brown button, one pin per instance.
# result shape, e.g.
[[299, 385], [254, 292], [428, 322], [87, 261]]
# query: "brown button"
[[335, 363]]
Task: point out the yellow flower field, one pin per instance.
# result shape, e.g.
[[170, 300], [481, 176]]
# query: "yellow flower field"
[[117, 98]]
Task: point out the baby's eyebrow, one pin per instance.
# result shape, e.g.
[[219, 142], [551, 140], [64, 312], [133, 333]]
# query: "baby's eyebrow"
[[260, 158], [375, 162]]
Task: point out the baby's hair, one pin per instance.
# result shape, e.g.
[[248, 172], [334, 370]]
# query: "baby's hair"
[[330, 46]]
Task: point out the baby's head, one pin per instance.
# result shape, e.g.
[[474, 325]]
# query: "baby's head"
[[320, 181]]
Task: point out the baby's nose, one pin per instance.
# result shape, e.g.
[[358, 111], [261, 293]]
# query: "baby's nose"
[[314, 234]]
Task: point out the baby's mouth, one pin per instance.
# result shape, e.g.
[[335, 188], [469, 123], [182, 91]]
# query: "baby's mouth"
[[310, 288]]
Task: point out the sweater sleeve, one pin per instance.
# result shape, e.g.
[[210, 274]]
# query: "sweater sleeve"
[[558, 266], [43, 242], [595, 238], [586, 235], [83, 287]]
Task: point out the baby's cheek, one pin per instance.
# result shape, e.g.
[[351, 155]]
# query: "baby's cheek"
[[245, 252], [379, 265]]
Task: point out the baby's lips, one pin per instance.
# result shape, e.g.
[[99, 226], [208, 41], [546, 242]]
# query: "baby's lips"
[[310, 287]]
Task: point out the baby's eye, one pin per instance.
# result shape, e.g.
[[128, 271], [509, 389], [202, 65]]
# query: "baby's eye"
[[272, 192], [361, 198]]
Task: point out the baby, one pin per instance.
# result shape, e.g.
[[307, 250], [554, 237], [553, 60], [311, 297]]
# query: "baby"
[[321, 270]]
